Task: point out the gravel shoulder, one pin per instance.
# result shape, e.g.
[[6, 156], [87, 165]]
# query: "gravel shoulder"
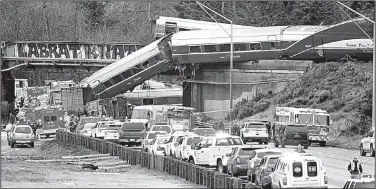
[[17, 173]]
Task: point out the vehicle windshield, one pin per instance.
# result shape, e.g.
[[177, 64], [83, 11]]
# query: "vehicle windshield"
[[114, 126], [85, 120], [87, 126], [24, 130], [271, 162], [192, 140], [253, 125], [133, 126], [236, 141], [180, 114], [322, 120], [153, 135], [206, 131], [104, 125], [304, 119], [165, 128], [296, 128], [262, 154], [111, 131], [245, 151], [140, 114], [163, 140]]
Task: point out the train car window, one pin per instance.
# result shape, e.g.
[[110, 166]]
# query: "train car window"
[[195, 49], [132, 48], [136, 70], [170, 27], [117, 79], [107, 84], [273, 45], [127, 74], [240, 47], [225, 48], [255, 46], [210, 48], [183, 29]]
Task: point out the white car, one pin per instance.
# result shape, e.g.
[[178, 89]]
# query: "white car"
[[362, 181], [100, 127], [150, 136], [161, 127], [21, 135], [158, 145], [184, 146], [111, 135], [367, 144], [255, 159], [173, 142], [87, 129]]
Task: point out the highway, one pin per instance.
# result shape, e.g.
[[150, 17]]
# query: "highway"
[[21, 150], [336, 161]]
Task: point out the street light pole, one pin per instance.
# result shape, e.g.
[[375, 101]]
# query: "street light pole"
[[374, 76], [231, 67], [231, 49]]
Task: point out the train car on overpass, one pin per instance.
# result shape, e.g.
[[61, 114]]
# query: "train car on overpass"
[[252, 44]]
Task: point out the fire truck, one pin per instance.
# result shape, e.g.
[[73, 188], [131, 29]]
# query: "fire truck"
[[318, 122]]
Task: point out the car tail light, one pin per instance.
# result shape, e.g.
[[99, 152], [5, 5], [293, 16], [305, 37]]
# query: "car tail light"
[[160, 148], [13, 135], [325, 179], [184, 147], [284, 180], [237, 160]]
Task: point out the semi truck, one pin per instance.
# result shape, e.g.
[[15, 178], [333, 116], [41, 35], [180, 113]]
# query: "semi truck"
[[318, 122]]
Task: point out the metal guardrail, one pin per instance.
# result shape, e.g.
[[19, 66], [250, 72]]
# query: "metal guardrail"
[[190, 172]]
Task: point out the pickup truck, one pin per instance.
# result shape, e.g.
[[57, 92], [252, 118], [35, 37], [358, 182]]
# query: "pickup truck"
[[132, 133], [212, 150]]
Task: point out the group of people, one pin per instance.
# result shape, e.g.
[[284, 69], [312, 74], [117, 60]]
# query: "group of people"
[[71, 122]]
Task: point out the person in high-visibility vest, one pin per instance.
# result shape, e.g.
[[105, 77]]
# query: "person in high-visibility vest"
[[355, 167]]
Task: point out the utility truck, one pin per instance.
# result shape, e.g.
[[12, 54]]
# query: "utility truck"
[[318, 122], [212, 150]]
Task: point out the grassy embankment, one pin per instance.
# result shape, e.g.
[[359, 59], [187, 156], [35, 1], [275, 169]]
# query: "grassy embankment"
[[343, 89]]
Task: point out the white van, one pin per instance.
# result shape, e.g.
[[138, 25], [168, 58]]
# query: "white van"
[[299, 170]]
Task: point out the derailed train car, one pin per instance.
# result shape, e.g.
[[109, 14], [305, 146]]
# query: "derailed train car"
[[133, 70]]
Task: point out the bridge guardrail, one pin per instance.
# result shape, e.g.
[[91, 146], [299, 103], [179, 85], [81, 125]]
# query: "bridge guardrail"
[[190, 172]]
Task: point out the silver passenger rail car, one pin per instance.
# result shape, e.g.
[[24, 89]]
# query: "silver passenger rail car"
[[127, 73]]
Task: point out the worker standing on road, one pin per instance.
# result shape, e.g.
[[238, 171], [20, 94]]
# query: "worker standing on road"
[[221, 126], [355, 167], [66, 121], [299, 150]]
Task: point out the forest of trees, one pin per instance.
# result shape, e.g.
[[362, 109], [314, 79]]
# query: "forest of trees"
[[129, 21]]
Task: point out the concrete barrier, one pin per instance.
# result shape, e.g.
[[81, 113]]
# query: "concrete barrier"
[[190, 172]]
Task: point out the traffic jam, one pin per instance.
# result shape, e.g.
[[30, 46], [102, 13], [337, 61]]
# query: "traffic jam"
[[245, 153]]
